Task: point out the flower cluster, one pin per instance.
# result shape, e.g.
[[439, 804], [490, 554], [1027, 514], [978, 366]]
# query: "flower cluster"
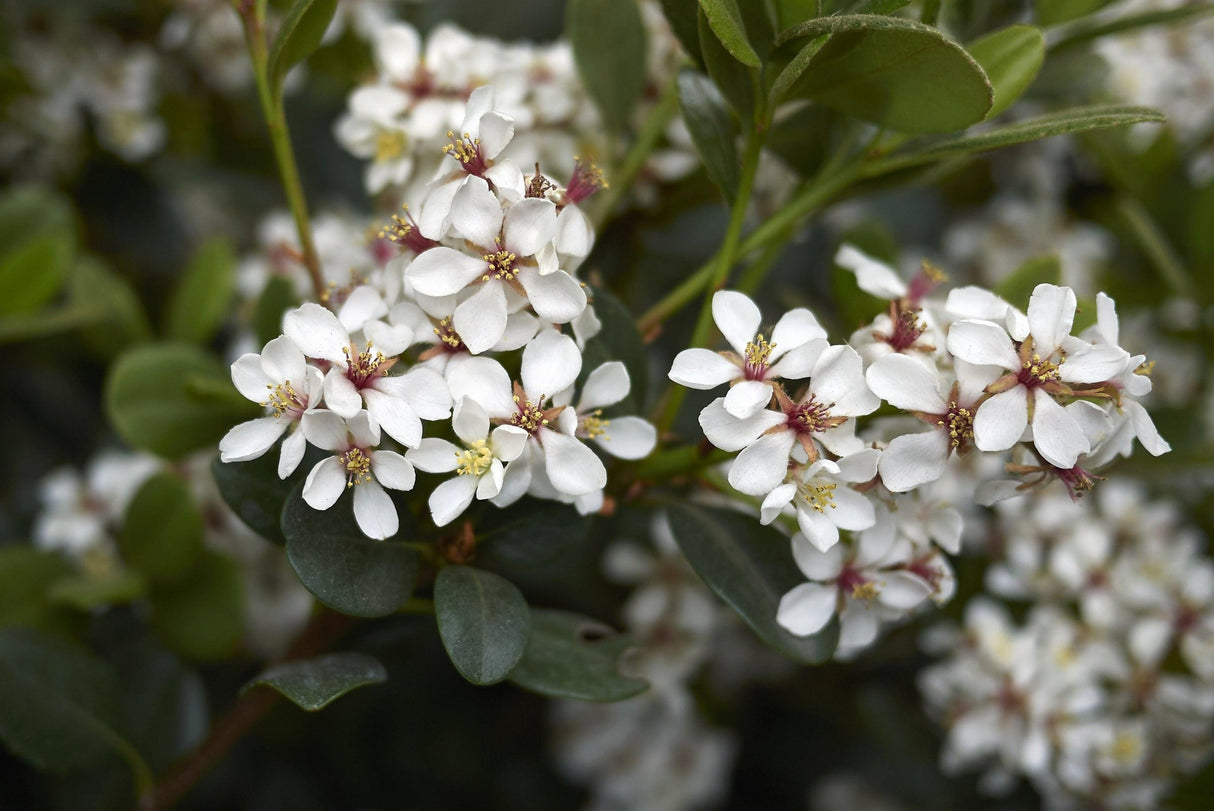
[[982, 376], [487, 268], [1106, 692]]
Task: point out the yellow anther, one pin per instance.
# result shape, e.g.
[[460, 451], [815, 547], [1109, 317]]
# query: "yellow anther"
[[389, 145], [501, 265], [593, 426], [476, 460], [464, 148], [959, 422], [758, 352], [357, 465], [865, 591], [818, 495], [282, 399]]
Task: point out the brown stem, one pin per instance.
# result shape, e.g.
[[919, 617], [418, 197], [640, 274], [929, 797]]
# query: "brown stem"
[[325, 628]]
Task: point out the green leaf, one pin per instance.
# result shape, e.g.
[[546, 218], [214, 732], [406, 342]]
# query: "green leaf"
[[344, 569], [896, 73], [26, 211], [59, 706], [1082, 119], [792, 12], [726, 22], [298, 36], [1019, 285], [85, 592], [165, 703], [483, 620], [1011, 58], [277, 297], [571, 656], [608, 38], [200, 302], [255, 493], [877, 6], [1093, 30], [32, 273], [750, 567], [618, 340], [161, 534], [314, 684], [713, 128], [1053, 12], [533, 533], [683, 16], [26, 577], [202, 616], [122, 320], [732, 78], [797, 62], [31, 326], [173, 398]]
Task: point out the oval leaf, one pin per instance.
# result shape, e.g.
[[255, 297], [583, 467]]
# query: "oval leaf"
[[161, 534], [27, 575], [32, 273], [608, 38], [713, 128], [123, 320], [571, 656], [300, 35], [533, 533], [314, 684], [893, 72], [483, 621], [344, 569], [255, 493], [1011, 58], [199, 303], [202, 616], [750, 567], [726, 22], [732, 78]]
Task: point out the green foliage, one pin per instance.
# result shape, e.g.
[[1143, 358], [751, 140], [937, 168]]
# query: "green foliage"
[[201, 616], [121, 320], [313, 684], [26, 577], [340, 566], [713, 128], [725, 19], [277, 297], [1053, 12], [32, 273], [172, 398], [59, 706], [165, 704], [608, 38], [201, 301], [1089, 31], [750, 567], [571, 656], [483, 620], [798, 57], [893, 72], [1011, 58], [683, 16], [298, 36], [735, 80], [85, 592], [161, 536], [533, 533], [255, 493], [1017, 287], [790, 12]]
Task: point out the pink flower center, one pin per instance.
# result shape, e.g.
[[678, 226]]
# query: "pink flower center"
[[908, 327], [364, 367], [1037, 372], [587, 179], [811, 417], [467, 151], [758, 352]]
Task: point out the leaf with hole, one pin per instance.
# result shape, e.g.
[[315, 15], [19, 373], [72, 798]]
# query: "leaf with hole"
[[571, 656]]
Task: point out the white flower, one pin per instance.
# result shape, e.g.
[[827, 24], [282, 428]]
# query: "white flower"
[[355, 464], [796, 342], [282, 381], [623, 437], [479, 464], [823, 501]]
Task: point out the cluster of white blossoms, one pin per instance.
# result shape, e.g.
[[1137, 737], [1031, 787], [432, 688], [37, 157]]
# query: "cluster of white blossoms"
[[1105, 693], [414, 105], [487, 268], [980, 376]]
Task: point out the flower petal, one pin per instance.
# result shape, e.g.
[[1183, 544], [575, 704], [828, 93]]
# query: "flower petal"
[[443, 271], [325, 430], [807, 608], [817, 528], [795, 328], [737, 318], [341, 395], [485, 381], [551, 363], [629, 438], [874, 277], [434, 455], [291, 453], [395, 416], [476, 214], [813, 562], [451, 498], [728, 432], [470, 421], [1051, 314], [282, 361], [325, 483], [747, 397], [508, 442], [530, 225], [573, 469], [392, 470], [911, 460], [605, 386], [374, 511], [838, 380], [556, 297], [1056, 434], [1000, 421], [480, 320], [762, 466], [698, 368], [250, 440], [982, 343], [905, 383], [317, 333]]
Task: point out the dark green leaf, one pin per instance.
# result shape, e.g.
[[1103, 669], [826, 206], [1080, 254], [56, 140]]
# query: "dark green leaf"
[[26, 577], [88, 591], [26, 211], [726, 22], [483, 620], [122, 321], [805, 137], [571, 656], [750, 567], [298, 36], [1011, 58], [618, 340], [877, 6], [799, 55], [165, 703], [172, 398], [201, 617], [1053, 12], [683, 16], [1087, 32], [255, 493], [713, 128], [1018, 286], [793, 12], [59, 706], [1067, 122], [200, 302], [314, 684], [277, 297], [534, 533], [32, 273], [893, 72], [732, 78], [346, 571], [608, 38], [161, 534]]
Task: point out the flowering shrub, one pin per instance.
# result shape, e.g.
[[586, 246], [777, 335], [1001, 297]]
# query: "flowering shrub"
[[935, 402]]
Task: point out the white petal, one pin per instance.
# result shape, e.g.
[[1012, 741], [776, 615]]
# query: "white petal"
[[282, 360], [508, 442], [728, 432], [799, 362], [1001, 420], [813, 562], [250, 378], [424, 389], [392, 470], [363, 304], [551, 363], [325, 430], [341, 395], [390, 339], [395, 416], [398, 50], [796, 328], [530, 224], [470, 421], [838, 380], [1145, 429], [250, 440], [859, 467], [606, 385], [496, 131], [817, 528], [481, 319], [490, 484], [903, 591], [1095, 365], [325, 483], [905, 383], [291, 453], [698, 368], [874, 277], [574, 233], [775, 502], [762, 466], [912, 460], [317, 333], [556, 297], [451, 498], [573, 469], [374, 511], [975, 303], [629, 438], [807, 608], [747, 397], [737, 318], [480, 102], [485, 381], [1056, 435], [476, 214], [857, 626], [1051, 315], [853, 511], [982, 343], [434, 455], [444, 271], [945, 526]]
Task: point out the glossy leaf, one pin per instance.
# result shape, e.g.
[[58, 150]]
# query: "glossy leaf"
[[608, 38], [893, 72], [571, 656], [725, 19], [298, 37], [59, 706], [121, 321], [165, 704], [201, 617], [1011, 58], [713, 128], [483, 620], [173, 398], [344, 569], [750, 567], [32, 272], [255, 493], [200, 302], [26, 578], [313, 684], [533, 533], [161, 536]]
